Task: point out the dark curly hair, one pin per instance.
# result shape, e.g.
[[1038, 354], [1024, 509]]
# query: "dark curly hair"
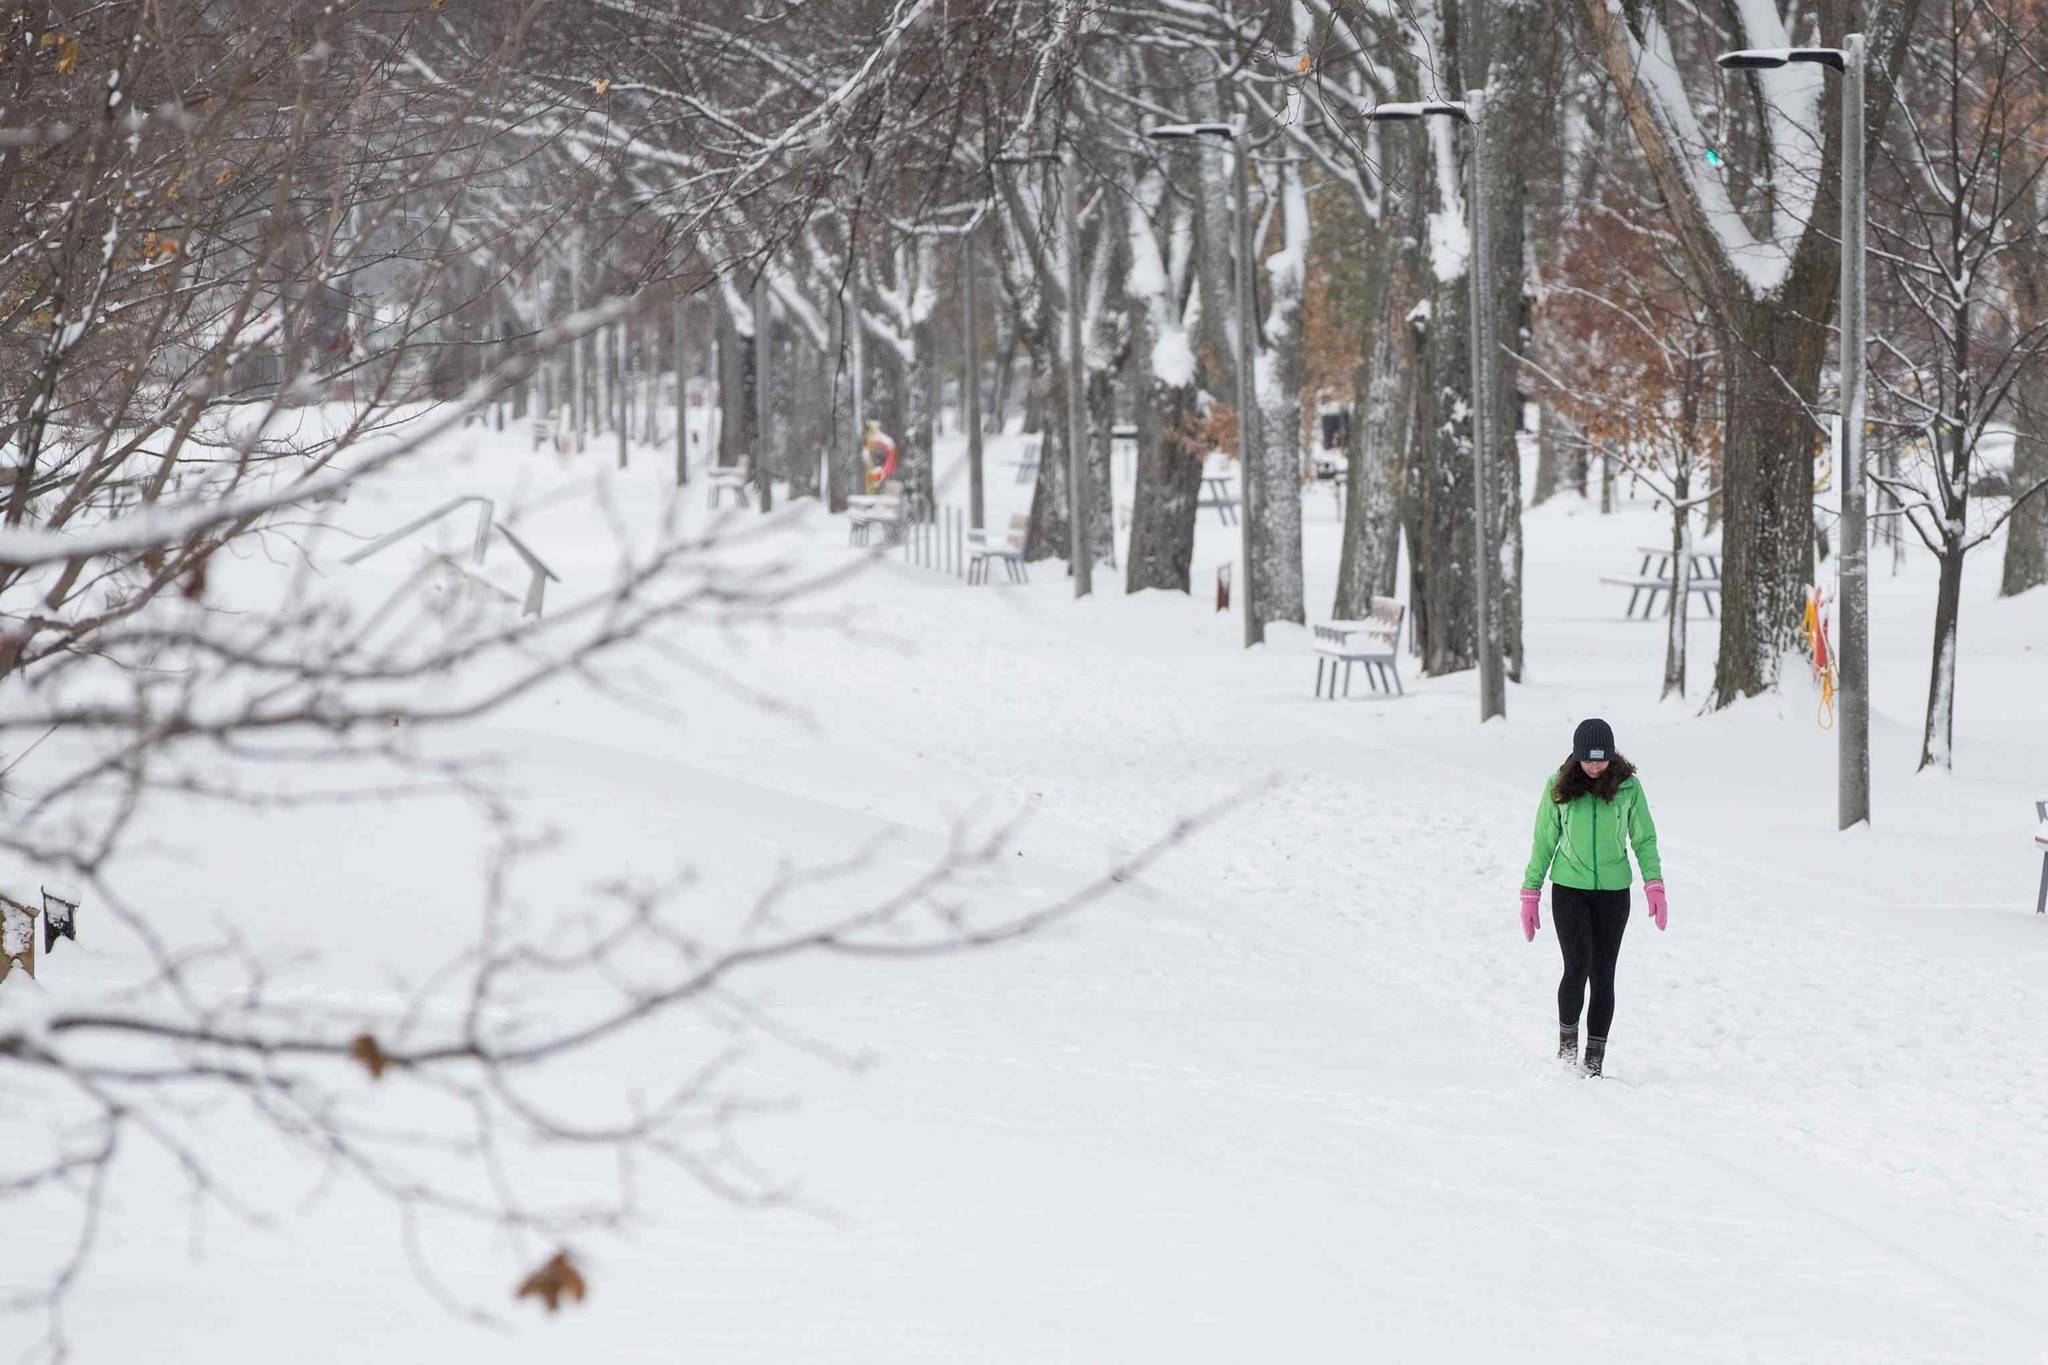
[[1573, 783]]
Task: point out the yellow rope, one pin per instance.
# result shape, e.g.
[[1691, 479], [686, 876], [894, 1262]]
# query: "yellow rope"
[[1823, 667]]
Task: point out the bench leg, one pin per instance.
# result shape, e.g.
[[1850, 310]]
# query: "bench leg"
[[1347, 677], [2041, 906], [1707, 601], [1320, 661]]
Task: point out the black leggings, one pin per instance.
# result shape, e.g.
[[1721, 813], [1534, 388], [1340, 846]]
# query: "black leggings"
[[1589, 926]]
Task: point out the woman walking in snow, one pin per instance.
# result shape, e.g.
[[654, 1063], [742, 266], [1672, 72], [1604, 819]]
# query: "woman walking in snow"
[[1592, 812]]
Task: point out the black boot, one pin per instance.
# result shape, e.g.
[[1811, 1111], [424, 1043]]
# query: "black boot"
[[1568, 1044], [1596, 1054]]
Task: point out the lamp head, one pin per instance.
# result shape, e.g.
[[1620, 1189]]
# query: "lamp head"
[[1771, 58], [1408, 111]]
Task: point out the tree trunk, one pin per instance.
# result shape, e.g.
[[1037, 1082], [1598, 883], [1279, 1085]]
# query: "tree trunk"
[[735, 389], [920, 421], [1937, 744], [1048, 537], [810, 421], [1547, 471], [2026, 534], [997, 418], [1517, 47], [1100, 503], [1281, 372], [1448, 540], [1681, 591], [1577, 466], [574, 356], [680, 361], [1767, 481], [1384, 401], [622, 391], [1383, 398], [1170, 456]]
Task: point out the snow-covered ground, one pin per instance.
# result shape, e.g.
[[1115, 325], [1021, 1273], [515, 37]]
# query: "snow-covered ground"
[[1287, 1099]]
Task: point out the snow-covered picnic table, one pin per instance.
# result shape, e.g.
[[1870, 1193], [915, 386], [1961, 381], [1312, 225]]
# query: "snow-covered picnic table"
[[1653, 578], [1219, 475]]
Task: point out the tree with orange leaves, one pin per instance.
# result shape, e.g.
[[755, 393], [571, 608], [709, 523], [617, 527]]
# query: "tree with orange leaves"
[[1632, 360]]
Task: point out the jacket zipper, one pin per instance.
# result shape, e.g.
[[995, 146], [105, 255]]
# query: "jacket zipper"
[[1596, 848]]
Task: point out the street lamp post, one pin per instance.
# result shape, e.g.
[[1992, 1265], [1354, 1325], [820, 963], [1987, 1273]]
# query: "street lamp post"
[[1471, 111], [1247, 352], [1852, 793], [1077, 429]]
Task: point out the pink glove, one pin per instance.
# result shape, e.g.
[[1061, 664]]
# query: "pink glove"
[[1654, 893], [1530, 923]]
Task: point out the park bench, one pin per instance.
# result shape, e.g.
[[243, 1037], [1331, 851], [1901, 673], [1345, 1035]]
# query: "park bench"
[[1028, 455], [2041, 842], [881, 510], [727, 478], [1373, 642], [1009, 550]]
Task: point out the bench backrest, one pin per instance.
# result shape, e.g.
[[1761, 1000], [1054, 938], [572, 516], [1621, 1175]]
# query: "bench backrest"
[[1020, 527], [1034, 442], [1387, 610]]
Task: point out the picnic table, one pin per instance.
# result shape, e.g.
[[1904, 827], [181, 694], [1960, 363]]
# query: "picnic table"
[[1653, 578], [1218, 474]]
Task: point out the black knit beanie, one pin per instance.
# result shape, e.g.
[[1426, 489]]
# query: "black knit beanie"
[[1593, 741]]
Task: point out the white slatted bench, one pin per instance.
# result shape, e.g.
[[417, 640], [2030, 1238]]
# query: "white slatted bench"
[[727, 478], [1009, 551], [1374, 642], [868, 512]]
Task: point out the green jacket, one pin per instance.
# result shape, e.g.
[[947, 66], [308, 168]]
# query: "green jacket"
[[1590, 839]]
